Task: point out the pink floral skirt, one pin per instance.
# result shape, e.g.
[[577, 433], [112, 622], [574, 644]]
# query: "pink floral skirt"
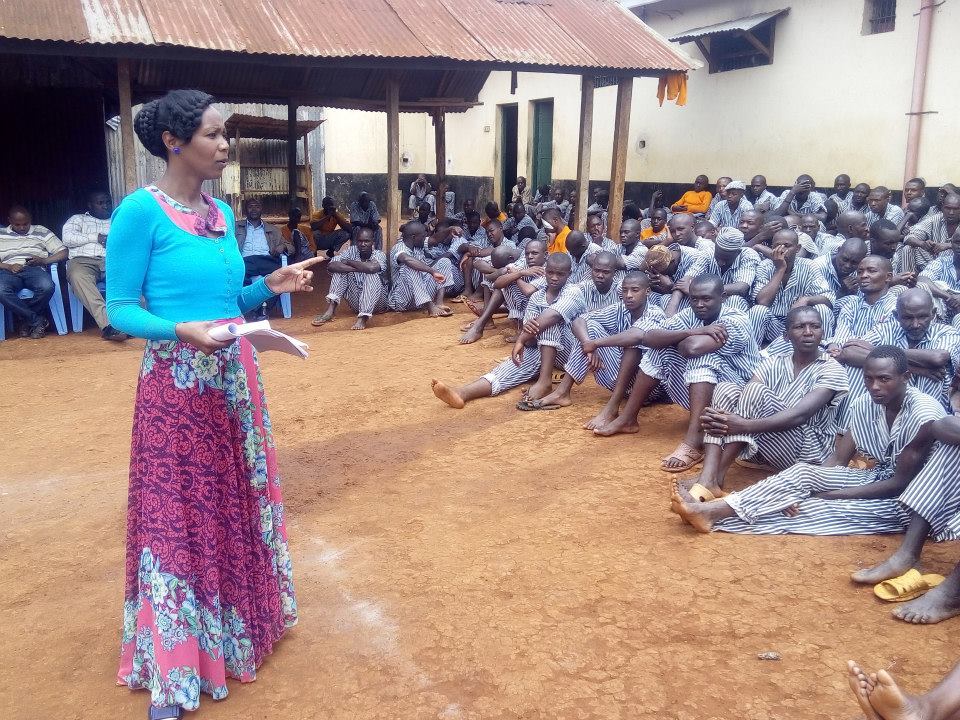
[[209, 586]]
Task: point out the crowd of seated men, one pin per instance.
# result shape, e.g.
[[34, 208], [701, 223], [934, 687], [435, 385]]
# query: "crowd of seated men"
[[799, 331]]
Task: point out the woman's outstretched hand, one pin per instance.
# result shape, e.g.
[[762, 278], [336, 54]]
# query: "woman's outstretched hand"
[[293, 278]]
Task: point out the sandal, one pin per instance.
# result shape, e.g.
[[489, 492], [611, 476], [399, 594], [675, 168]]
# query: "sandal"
[[753, 465], [701, 494], [688, 456], [557, 377], [457, 299], [475, 307], [908, 586]]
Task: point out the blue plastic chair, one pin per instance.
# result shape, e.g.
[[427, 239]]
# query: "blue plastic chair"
[[286, 304], [57, 310], [76, 307]]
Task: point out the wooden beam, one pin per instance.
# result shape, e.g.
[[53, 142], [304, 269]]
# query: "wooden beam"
[[618, 166], [583, 152], [752, 39], [703, 48], [309, 174], [292, 151], [440, 145], [126, 127], [393, 163]]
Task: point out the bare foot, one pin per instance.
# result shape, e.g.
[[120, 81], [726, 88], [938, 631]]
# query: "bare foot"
[[894, 566], [688, 483], [466, 326], [891, 703], [448, 395], [510, 340], [538, 391], [620, 425], [938, 605], [557, 398], [360, 324], [861, 686], [693, 513], [604, 417], [326, 317], [473, 333]]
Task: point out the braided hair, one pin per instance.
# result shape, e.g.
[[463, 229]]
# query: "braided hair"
[[179, 112]]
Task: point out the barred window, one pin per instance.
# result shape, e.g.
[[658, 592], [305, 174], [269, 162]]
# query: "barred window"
[[879, 16]]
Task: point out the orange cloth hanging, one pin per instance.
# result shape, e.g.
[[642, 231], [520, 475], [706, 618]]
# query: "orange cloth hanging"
[[673, 85]]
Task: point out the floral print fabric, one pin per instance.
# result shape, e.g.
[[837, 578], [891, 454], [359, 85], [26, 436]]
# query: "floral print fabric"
[[209, 584]]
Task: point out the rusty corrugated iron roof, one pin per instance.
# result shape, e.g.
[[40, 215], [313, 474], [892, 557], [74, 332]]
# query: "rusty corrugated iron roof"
[[597, 34]]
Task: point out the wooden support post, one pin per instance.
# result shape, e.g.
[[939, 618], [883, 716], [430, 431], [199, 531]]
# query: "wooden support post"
[[292, 151], [393, 163], [618, 166], [126, 126], [440, 145], [309, 173], [583, 151]]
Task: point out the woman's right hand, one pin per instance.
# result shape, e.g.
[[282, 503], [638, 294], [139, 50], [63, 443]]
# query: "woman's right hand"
[[198, 334]]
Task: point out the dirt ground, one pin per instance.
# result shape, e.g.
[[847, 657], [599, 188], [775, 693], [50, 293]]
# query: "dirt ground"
[[483, 563]]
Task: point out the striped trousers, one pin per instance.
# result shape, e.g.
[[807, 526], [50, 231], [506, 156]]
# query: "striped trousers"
[[934, 494], [760, 507], [411, 289], [453, 282], [755, 401], [507, 376], [767, 328], [515, 301], [577, 365], [677, 373], [365, 292]]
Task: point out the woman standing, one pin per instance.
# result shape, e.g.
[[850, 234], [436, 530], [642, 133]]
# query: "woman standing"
[[209, 587]]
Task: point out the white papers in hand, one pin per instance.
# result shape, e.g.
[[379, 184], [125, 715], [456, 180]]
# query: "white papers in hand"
[[261, 336]]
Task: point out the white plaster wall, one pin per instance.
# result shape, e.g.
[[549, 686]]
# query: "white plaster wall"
[[833, 101]]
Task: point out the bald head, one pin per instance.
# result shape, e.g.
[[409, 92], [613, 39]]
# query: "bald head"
[[577, 242], [914, 300], [853, 224]]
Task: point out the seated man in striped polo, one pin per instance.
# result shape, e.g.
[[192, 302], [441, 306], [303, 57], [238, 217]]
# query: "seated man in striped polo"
[[444, 249], [701, 346], [737, 267], [933, 499], [595, 229], [540, 347], [490, 267], [941, 276], [881, 208], [417, 284], [671, 270], [784, 415], [357, 275], [601, 287], [932, 348], [839, 270], [727, 214], [519, 280], [783, 282], [833, 498], [609, 342], [580, 248]]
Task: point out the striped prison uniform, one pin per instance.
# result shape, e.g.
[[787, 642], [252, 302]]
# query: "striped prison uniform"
[[692, 263], [365, 292], [843, 203], [614, 247], [766, 197], [722, 216], [734, 362], [893, 213], [742, 270], [769, 322], [593, 299], [828, 271], [633, 257], [826, 243], [813, 204], [580, 269], [934, 494], [932, 227], [774, 389], [607, 322], [511, 227], [478, 241], [513, 296], [411, 288], [569, 304], [943, 272], [938, 337], [503, 243], [759, 508], [440, 257]]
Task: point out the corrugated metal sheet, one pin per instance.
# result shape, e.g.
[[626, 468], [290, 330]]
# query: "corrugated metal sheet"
[[746, 23], [596, 34]]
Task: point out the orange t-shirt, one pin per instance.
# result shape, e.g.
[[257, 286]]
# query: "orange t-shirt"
[[648, 233], [696, 202], [559, 243], [502, 217]]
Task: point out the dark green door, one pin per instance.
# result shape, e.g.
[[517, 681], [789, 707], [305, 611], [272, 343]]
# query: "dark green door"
[[542, 144]]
